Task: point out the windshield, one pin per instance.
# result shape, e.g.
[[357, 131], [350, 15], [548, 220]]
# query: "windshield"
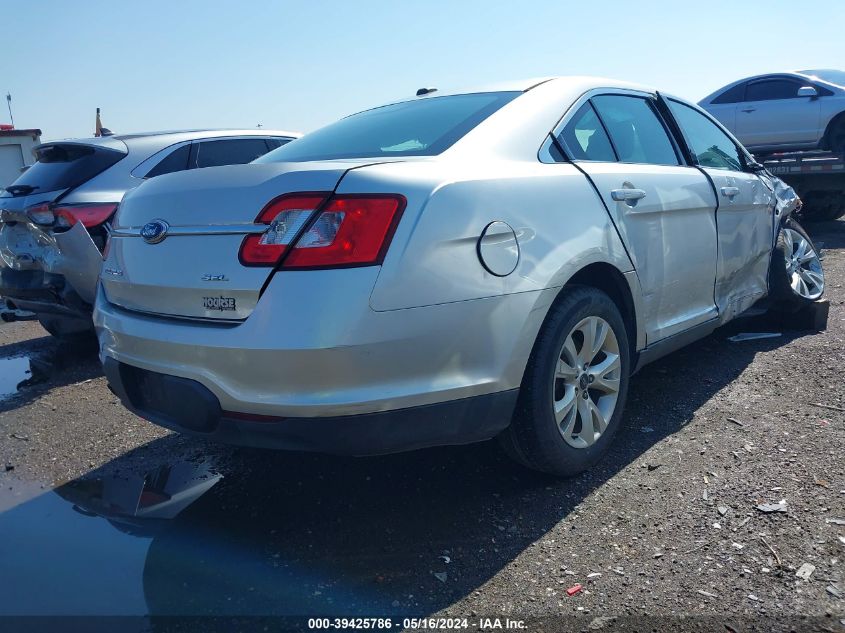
[[423, 127], [831, 76]]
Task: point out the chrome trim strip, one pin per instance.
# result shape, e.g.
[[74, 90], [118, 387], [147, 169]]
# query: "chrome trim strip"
[[180, 317], [214, 229]]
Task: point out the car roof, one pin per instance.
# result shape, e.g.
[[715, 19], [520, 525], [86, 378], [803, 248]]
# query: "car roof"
[[583, 82], [210, 133], [119, 142]]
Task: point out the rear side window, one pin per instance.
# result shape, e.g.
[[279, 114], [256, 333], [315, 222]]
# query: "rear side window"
[[772, 89], [637, 133], [275, 143], [423, 127], [731, 95], [584, 137], [177, 160], [708, 143], [228, 152], [66, 165]]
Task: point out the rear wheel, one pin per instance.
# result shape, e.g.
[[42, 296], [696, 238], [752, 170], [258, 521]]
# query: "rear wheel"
[[796, 277], [574, 387], [836, 136]]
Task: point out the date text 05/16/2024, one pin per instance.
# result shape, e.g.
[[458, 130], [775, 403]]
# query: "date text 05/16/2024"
[[431, 624]]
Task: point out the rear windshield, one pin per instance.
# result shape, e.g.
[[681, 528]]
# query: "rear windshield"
[[424, 127], [62, 166]]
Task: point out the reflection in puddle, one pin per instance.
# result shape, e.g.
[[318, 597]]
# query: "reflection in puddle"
[[13, 371], [138, 504], [61, 562], [82, 548], [282, 534]]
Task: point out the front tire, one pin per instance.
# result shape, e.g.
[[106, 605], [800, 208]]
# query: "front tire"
[[574, 388], [822, 207], [796, 277]]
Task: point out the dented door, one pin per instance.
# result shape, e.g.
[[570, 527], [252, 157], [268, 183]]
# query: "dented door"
[[744, 219], [744, 216]]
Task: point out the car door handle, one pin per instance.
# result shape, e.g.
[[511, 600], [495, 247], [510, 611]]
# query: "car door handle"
[[749, 109], [730, 192], [627, 195]]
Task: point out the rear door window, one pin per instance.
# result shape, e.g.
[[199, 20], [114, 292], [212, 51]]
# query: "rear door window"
[[772, 89], [584, 137], [177, 160], [637, 133], [228, 152], [710, 146]]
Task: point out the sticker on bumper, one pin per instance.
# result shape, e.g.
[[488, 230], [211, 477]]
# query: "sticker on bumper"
[[218, 303]]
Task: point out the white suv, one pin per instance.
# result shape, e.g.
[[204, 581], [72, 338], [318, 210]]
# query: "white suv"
[[793, 110]]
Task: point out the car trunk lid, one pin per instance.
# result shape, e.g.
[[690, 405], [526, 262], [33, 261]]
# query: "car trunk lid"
[[187, 264]]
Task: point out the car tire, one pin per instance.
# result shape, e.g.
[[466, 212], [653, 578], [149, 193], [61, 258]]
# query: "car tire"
[[66, 328], [822, 207], [548, 433], [836, 136], [796, 277]]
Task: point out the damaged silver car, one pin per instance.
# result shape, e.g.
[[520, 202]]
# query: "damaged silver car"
[[54, 219], [445, 269]]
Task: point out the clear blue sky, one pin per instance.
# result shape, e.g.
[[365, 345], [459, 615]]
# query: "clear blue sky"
[[299, 65]]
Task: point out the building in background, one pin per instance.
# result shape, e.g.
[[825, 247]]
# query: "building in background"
[[16, 152]]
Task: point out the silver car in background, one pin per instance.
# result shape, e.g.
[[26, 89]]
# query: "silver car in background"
[[784, 111], [54, 218], [444, 270]]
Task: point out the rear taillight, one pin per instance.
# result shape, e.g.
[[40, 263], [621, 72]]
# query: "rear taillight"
[[285, 217], [349, 230], [90, 215], [40, 213], [352, 230]]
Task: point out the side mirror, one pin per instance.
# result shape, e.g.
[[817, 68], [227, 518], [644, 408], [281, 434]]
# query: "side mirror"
[[808, 91]]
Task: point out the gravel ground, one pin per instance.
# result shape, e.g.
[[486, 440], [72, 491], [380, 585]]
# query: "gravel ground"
[[665, 534]]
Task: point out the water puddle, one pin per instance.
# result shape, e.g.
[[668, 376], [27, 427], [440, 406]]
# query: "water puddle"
[[280, 535], [82, 548], [13, 372]]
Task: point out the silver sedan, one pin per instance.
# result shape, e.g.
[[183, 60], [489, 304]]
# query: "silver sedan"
[[442, 270], [784, 111], [55, 217]]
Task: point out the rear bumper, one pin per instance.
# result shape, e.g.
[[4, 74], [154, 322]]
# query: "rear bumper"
[[313, 347], [188, 407], [42, 292], [53, 273]]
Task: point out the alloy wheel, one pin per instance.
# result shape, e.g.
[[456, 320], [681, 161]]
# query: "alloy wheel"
[[803, 266], [586, 382]]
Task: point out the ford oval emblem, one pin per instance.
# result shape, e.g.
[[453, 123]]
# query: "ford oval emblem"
[[155, 231]]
